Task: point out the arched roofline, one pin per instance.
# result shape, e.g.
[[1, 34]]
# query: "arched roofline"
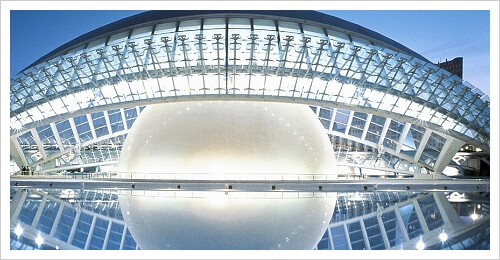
[[302, 16]]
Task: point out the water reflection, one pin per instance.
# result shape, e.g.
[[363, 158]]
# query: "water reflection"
[[361, 220]]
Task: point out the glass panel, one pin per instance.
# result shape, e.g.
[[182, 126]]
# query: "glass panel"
[[28, 211], [338, 236], [115, 236], [30, 148], [324, 243], [130, 116], [357, 124], [325, 113], [48, 215], [65, 224], [82, 230], [46, 135], [375, 128], [115, 119], [432, 149], [98, 234], [410, 220], [412, 140], [341, 118], [129, 243], [393, 134], [65, 132], [83, 128], [100, 126], [431, 212], [356, 236], [392, 228], [374, 233]]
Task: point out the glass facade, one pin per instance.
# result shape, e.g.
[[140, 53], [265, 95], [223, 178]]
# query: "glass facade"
[[383, 109]]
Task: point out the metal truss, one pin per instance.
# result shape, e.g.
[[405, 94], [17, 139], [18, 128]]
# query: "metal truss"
[[258, 60]]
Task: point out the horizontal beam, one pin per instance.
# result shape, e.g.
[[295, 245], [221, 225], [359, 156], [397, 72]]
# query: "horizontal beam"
[[77, 166], [366, 185]]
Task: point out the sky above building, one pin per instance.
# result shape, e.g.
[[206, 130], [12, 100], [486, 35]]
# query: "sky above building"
[[436, 35]]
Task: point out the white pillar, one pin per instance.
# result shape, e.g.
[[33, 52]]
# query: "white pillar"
[[73, 227], [39, 212], [56, 220], [423, 143], [106, 238], [91, 232], [123, 236], [57, 136], [420, 216], [402, 138], [17, 204], [347, 238], [365, 235], [401, 225], [367, 125], [387, 244]]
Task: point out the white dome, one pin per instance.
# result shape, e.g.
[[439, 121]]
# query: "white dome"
[[227, 140]]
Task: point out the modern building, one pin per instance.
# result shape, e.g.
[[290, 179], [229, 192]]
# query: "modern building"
[[455, 66], [405, 134]]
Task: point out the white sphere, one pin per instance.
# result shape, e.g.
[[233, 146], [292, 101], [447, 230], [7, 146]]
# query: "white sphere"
[[227, 140]]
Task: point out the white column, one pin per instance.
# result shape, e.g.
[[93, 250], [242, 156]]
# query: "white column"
[[349, 122], [449, 150], [347, 238], [108, 124], [91, 125], [387, 244], [73, 227], [401, 225], [423, 143], [16, 149], [384, 130], [402, 138], [39, 143], [447, 212], [420, 216], [367, 125], [330, 238], [56, 136], [39, 212], [17, 204], [91, 232], [56, 220], [334, 114], [365, 235], [124, 120], [73, 128], [106, 238], [123, 236]]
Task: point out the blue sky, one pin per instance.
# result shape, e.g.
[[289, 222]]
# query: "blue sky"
[[436, 35]]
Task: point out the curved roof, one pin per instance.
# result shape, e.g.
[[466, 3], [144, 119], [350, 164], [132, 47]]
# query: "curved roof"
[[369, 91], [157, 15]]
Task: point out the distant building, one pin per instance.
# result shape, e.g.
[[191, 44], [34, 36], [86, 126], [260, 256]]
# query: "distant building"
[[454, 66]]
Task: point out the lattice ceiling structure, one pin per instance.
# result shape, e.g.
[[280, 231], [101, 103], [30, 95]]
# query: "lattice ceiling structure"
[[75, 105]]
